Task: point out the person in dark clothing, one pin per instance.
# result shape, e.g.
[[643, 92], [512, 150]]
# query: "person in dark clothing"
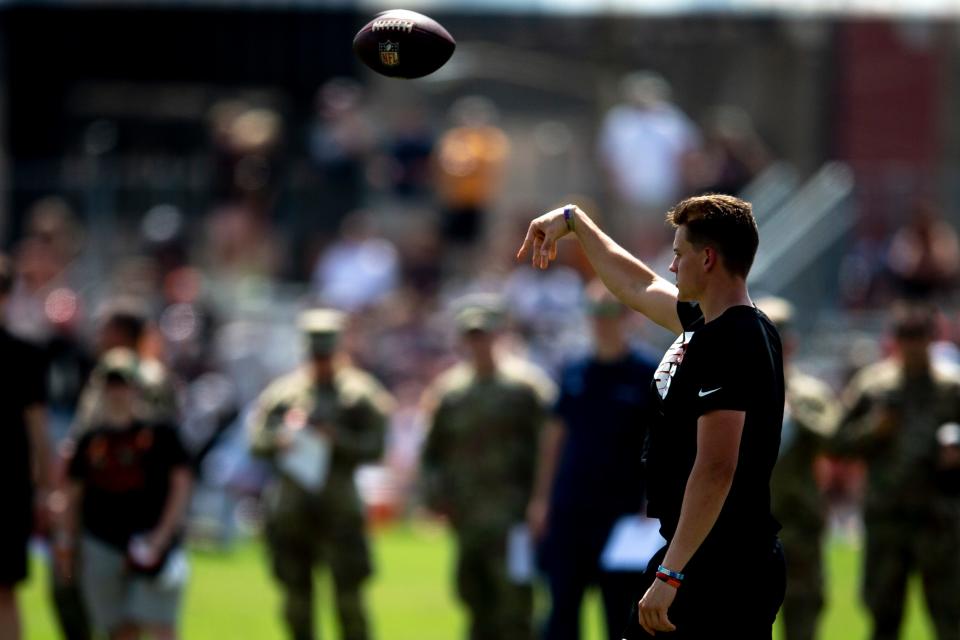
[[25, 458], [720, 389], [129, 487], [588, 478]]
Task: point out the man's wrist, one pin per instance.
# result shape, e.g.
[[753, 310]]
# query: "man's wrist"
[[570, 217], [672, 578]]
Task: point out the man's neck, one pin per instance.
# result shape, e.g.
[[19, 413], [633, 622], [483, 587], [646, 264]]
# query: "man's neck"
[[611, 351], [485, 367], [725, 293]]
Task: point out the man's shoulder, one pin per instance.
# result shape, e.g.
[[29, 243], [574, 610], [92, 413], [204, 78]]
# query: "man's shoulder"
[[289, 384], [526, 375], [452, 380], [643, 359], [355, 384], [729, 331], [153, 373], [813, 403], [806, 386], [876, 376]]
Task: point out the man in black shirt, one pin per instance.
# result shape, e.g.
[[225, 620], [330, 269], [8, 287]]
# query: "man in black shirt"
[[721, 392], [25, 475]]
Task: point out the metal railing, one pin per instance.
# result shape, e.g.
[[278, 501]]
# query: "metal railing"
[[795, 238]]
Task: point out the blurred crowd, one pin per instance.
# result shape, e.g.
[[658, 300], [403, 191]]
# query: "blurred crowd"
[[414, 217]]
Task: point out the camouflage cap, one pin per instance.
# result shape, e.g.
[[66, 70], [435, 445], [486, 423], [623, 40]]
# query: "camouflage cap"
[[479, 312], [779, 310], [121, 364], [323, 328]]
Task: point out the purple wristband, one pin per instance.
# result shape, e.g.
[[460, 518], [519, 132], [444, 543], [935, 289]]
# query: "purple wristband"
[[568, 216]]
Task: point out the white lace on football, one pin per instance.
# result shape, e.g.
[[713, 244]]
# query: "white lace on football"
[[393, 25]]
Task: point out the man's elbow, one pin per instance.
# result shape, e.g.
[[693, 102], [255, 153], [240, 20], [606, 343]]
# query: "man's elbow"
[[719, 471]]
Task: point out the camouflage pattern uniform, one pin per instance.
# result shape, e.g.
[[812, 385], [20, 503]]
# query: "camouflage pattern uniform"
[[810, 418], [912, 511], [306, 528], [478, 468], [158, 397]]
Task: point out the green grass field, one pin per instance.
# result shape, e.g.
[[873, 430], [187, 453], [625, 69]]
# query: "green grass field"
[[231, 595]]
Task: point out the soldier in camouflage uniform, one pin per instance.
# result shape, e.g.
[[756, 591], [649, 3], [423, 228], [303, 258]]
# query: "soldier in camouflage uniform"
[[809, 421], [123, 326], [899, 416], [323, 524], [478, 468]]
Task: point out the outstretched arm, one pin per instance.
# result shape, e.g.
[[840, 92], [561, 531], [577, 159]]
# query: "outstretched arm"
[[627, 277]]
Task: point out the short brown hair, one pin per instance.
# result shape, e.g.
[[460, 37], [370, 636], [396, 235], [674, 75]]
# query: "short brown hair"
[[723, 222]]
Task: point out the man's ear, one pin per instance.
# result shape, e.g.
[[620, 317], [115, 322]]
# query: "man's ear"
[[710, 258]]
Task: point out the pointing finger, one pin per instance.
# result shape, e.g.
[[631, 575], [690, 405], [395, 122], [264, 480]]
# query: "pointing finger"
[[526, 242]]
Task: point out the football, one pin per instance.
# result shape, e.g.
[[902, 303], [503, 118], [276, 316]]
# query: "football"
[[403, 44]]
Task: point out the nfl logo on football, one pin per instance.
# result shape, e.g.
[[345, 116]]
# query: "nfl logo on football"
[[390, 53]]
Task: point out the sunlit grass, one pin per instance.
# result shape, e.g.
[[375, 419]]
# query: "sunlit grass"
[[231, 595]]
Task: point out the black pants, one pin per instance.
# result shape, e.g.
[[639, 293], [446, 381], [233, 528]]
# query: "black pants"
[[733, 593], [570, 559]]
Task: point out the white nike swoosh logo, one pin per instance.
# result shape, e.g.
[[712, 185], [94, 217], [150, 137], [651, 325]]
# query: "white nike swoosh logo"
[[706, 393]]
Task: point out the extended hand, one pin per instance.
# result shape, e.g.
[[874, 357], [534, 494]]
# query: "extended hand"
[[542, 236], [653, 607]]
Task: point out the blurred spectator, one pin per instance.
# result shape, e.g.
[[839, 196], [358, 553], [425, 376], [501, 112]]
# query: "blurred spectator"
[[486, 414], [547, 307], [643, 144], [129, 487], [247, 142], [360, 269], [901, 417], [186, 326], [341, 141], [242, 246], [122, 325], [732, 155], [316, 426], [409, 150], [924, 254], [588, 477], [399, 340], [70, 364], [47, 269], [163, 232], [421, 254], [470, 158], [861, 273], [810, 419], [25, 457]]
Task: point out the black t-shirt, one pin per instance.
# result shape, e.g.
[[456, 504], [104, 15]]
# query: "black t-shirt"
[[126, 478], [23, 383], [605, 408], [734, 362]]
